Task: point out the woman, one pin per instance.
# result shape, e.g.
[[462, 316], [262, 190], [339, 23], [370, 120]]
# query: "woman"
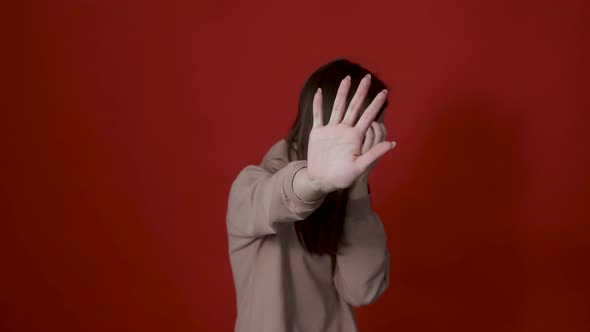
[[305, 246]]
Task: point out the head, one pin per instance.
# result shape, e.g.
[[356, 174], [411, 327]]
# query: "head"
[[321, 232]]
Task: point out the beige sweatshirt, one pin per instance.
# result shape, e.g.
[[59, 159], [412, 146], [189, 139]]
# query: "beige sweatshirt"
[[280, 287]]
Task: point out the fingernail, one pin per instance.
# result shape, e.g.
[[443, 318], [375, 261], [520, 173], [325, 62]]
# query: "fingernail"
[[385, 92], [368, 76], [319, 90], [347, 77], [393, 144]]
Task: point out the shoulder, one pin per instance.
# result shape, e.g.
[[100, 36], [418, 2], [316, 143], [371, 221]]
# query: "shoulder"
[[274, 159]]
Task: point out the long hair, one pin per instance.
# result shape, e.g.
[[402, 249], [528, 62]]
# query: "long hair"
[[322, 231]]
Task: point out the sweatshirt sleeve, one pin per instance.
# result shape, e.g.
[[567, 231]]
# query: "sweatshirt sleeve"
[[260, 200], [361, 273]]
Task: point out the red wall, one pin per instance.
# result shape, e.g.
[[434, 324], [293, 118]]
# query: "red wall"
[[125, 122]]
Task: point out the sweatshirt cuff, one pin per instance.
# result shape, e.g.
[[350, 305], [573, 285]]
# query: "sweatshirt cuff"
[[294, 203]]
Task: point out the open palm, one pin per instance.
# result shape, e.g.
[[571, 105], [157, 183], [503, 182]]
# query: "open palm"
[[334, 158]]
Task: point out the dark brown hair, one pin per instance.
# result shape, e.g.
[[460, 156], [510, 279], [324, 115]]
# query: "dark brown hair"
[[321, 232]]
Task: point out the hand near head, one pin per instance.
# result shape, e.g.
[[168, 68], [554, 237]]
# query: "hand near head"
[[374, 135], [335, 156]]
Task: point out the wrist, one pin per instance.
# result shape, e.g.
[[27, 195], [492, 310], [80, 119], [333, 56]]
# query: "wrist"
[[313, 184], [306, 188]]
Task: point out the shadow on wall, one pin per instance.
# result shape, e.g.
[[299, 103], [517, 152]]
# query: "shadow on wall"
[[453, 227]]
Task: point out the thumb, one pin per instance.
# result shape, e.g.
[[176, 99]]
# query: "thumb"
[[376, 152]]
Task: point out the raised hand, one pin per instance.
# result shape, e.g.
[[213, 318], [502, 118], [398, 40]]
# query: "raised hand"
[[335, 158]]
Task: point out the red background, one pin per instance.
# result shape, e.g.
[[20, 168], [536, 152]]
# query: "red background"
[[125, 122]]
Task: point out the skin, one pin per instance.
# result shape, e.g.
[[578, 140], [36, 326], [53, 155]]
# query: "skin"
[[375, 134], [341, 154]]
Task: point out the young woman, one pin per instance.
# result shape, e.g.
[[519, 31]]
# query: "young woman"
[[305, 246]]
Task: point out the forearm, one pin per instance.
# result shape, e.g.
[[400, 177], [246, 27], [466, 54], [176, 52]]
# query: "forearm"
[[259, 200], [362, 263]]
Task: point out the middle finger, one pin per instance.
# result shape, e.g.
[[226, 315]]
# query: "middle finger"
[[340, 101], [357, 100]]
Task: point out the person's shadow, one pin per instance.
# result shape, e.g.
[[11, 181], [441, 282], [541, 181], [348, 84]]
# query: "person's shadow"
[[453, 228]]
